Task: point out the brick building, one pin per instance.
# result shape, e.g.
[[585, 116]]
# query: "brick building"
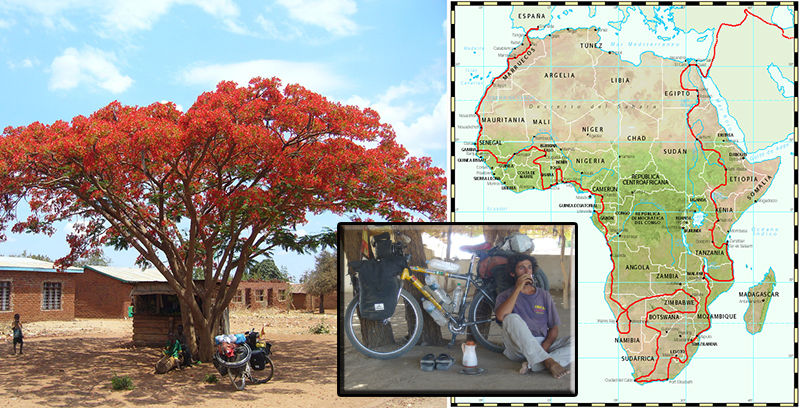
[[36, 290], [105, 291], [301, 300], [260, 294]]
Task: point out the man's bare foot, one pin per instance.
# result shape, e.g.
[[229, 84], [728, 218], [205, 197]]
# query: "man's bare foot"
[[524, 369], [557, 370]]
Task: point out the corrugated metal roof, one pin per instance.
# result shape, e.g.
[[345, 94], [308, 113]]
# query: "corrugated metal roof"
[[130, 275], [8, 263]]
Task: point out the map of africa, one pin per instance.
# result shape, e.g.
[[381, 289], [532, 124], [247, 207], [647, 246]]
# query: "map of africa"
[[668, 133]]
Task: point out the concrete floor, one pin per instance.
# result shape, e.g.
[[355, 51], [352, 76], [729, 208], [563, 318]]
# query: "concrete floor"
[[403, 375]]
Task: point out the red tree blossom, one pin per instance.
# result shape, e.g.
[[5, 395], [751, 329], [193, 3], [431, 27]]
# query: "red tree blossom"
[[212, 188]]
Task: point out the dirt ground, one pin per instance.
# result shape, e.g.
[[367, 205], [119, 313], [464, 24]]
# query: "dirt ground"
[[71, 363], [501, 375]]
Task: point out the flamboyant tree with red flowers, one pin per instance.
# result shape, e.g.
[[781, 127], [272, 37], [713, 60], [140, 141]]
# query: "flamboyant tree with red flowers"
[[211, 189]]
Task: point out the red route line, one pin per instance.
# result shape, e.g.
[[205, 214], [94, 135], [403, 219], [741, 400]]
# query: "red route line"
[[559, 177], [686, 347], [478, 142]]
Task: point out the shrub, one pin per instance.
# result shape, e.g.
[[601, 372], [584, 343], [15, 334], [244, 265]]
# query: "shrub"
[[211, 379], [121, 383], [320, 328]]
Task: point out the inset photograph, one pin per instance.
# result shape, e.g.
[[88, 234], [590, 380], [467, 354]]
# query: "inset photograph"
[[445, 309]]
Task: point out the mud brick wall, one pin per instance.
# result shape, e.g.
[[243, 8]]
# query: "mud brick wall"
[[100, 296], [271, 295], [304, 301], [26, 296]]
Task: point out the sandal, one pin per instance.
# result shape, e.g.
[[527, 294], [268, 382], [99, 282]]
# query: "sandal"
[[427, 363], [443, 362]]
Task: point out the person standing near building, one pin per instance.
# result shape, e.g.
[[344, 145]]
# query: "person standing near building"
[[16, 329]]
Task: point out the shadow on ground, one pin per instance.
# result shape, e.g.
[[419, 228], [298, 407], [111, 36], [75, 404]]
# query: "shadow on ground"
[[67, 372]]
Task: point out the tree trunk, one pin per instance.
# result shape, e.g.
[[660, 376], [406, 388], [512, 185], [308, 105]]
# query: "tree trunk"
[[431, 332], [369, 328], [201, 331], [321, 304], [447, 254], [206, 346], [198, 313], [564, 272], [449, 242], [188, 327], [494, 234]]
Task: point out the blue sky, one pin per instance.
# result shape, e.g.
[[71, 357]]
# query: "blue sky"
[[63, 58]]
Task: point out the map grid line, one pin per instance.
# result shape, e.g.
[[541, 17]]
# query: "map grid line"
[[455, 140]]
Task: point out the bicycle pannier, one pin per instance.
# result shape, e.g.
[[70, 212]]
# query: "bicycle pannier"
[[258, 360], [383, 245], [379, 286]]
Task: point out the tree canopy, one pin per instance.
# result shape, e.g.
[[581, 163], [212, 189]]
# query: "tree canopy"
[[38, 257], [96, 258], [214, 187], [323, 278], [266, 270]]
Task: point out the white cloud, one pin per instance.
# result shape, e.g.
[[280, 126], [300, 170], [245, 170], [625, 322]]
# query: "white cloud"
[[70, 227], [177, 106], [286, 32], [26, 63], [127, 16], [134, 15], [358, 101], [89, 66], [49, 11], [420, 129], [124, 16], [317, 77], [6, 23], [332, 15], [427, 132]]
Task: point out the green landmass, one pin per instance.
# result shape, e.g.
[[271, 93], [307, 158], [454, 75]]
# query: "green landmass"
[[651, 175], [759, 297]]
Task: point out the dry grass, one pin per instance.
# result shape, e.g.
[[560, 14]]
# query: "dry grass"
[[277, 320]]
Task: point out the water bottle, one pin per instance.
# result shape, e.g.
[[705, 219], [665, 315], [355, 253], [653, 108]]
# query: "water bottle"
[[434, 312], [457, 293], [439, 294], [444, 266]]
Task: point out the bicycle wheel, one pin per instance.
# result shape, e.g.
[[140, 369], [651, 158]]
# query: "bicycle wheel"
[[489, 333], [269, 370], [239, 378], [387, 338], [237, 366]]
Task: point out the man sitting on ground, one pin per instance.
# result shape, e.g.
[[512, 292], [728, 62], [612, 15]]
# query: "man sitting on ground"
[[530, 323], [173, 346], [171, 357], [181, 338]]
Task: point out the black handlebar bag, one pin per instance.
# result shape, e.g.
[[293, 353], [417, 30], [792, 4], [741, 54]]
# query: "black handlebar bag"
[[383, 245], [379, 285]]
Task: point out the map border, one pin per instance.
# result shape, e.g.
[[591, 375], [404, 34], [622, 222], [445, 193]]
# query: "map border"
[[452, 81]]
